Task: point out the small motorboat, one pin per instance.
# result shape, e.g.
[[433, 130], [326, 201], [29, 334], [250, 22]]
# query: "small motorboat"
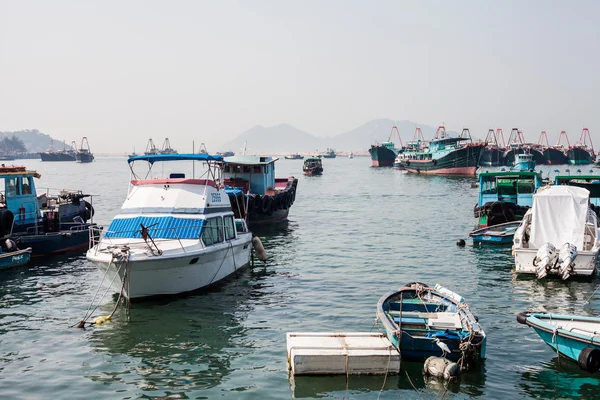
[[496, 234], [574, 337], [313, 166], [421, 322], [558, 235]]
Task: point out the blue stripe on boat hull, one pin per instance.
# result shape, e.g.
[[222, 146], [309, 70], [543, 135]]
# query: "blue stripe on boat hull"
[[507, 239]]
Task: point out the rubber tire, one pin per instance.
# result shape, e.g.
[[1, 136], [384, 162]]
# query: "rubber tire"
[[267, 205], [589, 359], [522, 318]]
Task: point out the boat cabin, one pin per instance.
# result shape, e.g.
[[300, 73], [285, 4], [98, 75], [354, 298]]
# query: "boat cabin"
[[514, 187], [254, 174], [19, 195], [589, 182], [313, 162]]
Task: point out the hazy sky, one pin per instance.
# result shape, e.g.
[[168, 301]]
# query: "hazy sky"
[[120, 72]]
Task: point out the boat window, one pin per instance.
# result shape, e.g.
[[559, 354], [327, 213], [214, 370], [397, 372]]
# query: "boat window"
[[525, 186], [229, 227], [489, 187], [13, 186], [27, 183], [213, 231], [256, 169]]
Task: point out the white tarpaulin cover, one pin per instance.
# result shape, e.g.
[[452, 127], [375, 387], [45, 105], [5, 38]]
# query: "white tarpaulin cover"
[[559, 216]]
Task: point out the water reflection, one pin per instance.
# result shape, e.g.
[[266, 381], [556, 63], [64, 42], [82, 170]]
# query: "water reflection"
[[178, 345], [558, 380]]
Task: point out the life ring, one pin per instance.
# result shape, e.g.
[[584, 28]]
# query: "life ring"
[[266, 205], [589, 359]]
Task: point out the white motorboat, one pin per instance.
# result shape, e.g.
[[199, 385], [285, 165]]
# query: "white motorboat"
[[173, 235], [558, 235]]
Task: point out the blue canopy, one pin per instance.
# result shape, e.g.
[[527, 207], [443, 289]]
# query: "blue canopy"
[[175, 157]]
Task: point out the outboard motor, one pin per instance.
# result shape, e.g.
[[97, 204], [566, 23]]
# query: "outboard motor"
[[566, 260], [545, 260]]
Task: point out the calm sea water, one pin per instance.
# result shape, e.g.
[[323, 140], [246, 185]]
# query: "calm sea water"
[[353, 234]]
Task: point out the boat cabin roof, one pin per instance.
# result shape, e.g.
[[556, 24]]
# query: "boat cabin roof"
[[16, 170], [568, 178], [508, 174], [250, 160], [312, 159]]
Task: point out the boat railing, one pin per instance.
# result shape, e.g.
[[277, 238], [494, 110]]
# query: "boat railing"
[[97, 239]]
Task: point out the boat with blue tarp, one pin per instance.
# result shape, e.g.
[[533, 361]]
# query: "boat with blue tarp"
[[421, 322], [264, 197], [504, 198], [574, 337], [174, 234], [48, 224]]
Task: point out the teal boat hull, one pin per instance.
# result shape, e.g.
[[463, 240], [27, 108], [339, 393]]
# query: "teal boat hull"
[[15, 258]]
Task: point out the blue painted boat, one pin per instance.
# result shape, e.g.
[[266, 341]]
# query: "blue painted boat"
[[14, 258], [496, 234], [504, 196], [417, 318], [574, 337], [523, 162], [47, 224]]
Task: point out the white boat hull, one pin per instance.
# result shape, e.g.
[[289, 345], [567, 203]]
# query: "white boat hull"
[[167, 274], [585, 263]]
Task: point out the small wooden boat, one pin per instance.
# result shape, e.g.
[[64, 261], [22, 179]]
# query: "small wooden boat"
[[496, 234], [14, 258], [574, 337], [421, 322]]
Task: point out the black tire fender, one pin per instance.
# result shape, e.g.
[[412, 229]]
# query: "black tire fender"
[[522, 318], [589, 359], [267, 205]]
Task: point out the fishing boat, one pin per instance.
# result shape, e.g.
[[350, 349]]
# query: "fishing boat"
[[517, 145], [166, 148], [312, 166], [582, 153], [493, 153], [574, 337], [329, 153], [421, 322], [175, 234], [383, 154], [84, 155], [151, 149], [558, 235], [47, 224], [554, 155], [264, 197], [523, 162], [12, 256], [444, 155], [294, 156], [60, 155]]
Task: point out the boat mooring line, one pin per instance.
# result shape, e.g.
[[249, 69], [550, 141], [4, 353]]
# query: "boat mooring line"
[[592, 295]]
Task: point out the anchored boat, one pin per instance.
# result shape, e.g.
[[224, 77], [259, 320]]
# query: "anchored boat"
[[60, 155], [84, 155], [383, 154], [175, 234], [263, 198], [574, 337], [48, 224], [558, 235], [312, 166], [504, 198], [444, 155], [523, 162], [421, 322], [294, 156], [582, 152]]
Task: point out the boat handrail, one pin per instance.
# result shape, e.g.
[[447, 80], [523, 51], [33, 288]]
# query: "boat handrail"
[[97, 239]]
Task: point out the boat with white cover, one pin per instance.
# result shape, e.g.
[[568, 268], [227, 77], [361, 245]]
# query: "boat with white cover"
[[558, 235], [173, 235]]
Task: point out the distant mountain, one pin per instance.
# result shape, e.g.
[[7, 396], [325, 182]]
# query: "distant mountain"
[[273, 139], [36, 141], [284, 138]]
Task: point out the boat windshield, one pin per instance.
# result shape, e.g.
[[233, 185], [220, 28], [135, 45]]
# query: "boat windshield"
[[508, 187]]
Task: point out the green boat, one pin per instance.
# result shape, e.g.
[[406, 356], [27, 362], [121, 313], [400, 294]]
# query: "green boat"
[[589, 182], [504, 197]]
